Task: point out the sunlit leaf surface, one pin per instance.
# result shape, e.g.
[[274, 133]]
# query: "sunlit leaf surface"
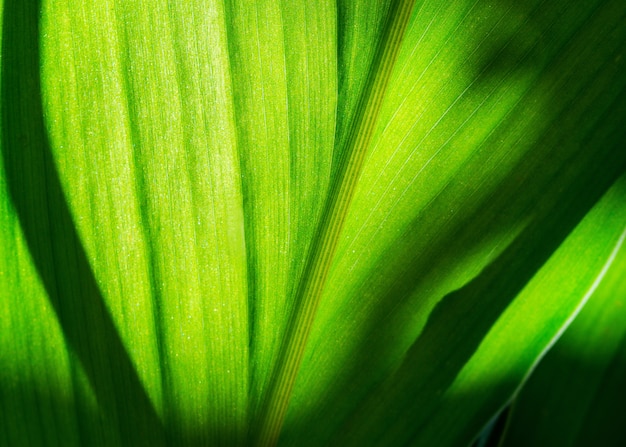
[[167, 180]]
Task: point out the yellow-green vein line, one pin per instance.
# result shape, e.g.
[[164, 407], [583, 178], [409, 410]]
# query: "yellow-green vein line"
[[312, 284]]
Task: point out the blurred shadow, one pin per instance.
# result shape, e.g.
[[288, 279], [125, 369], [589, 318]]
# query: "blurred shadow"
[[571, 400], [57, 253], [464, 435], [52, 412], [492, 433]]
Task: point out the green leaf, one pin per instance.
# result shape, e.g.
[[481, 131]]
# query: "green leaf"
[[467, 174], [574, 398], [215, 214], [476, 346]]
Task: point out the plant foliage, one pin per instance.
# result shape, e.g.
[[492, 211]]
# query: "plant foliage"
[[322, 222]]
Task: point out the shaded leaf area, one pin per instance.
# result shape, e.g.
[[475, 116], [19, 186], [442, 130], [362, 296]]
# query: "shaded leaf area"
[[65, 273], [492, 433], [574, 398], [162, 182]]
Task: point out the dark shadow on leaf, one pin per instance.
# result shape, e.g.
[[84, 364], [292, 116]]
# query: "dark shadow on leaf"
[[493, 431], [572, 401], [47, 417], [46, 222]]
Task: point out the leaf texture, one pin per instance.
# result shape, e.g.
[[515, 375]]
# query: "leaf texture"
[[166, 169]]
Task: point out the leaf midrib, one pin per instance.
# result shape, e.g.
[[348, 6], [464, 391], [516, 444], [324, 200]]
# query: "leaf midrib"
[[324, 245]]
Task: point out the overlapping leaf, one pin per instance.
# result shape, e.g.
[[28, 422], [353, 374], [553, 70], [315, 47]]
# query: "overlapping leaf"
[[165, 166]]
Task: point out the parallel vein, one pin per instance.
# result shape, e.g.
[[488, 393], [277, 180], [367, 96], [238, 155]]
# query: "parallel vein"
[[325, 243]]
